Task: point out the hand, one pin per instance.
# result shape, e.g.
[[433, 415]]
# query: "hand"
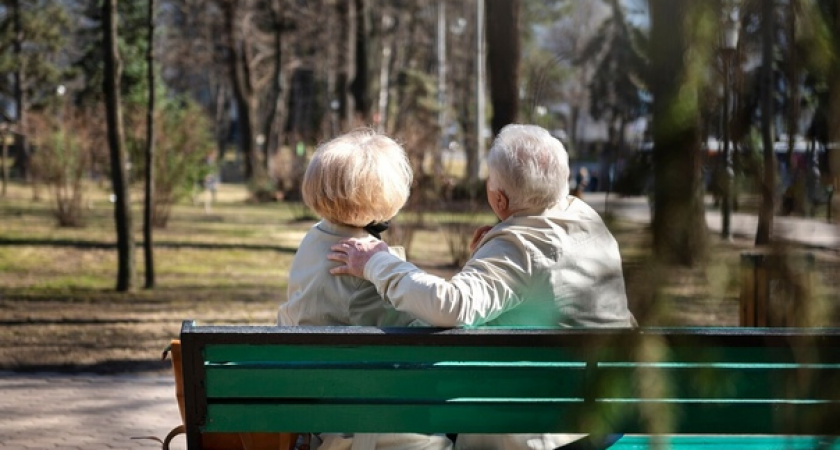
[[478, 234], [354, 253]]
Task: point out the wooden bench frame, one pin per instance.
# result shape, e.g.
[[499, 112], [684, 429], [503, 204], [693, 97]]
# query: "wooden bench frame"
[[654, 381]]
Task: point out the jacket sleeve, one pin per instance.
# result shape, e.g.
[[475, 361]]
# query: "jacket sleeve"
[[488, 285]]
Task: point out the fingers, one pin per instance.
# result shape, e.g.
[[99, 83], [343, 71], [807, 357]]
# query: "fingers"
[[341, 254], [340, 270], [478, 234]]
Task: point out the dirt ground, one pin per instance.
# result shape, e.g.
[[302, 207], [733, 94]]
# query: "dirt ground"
[[109, 333]]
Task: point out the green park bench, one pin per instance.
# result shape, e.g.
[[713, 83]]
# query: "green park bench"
[[753, 388]]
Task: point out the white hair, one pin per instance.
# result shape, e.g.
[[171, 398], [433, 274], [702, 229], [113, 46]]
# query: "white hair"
[[530, 165]]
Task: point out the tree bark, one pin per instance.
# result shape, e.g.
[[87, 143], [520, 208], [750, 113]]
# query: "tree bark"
[[122, 205], [768, 181], [148, 206], [679, 221], [503, 61]]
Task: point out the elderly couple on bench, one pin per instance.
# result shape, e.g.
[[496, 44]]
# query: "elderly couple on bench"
[[550, 261]]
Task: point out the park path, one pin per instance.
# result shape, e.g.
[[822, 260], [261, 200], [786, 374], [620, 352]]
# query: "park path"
[[805, 231], [86, 411]]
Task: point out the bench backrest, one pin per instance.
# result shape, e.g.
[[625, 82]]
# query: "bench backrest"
[[360, 379]]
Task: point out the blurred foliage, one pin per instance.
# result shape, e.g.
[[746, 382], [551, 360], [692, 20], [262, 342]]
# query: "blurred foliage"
[[45, 27], [87, 61]]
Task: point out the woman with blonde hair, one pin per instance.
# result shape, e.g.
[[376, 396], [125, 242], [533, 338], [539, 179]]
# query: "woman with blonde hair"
[[355, 183]]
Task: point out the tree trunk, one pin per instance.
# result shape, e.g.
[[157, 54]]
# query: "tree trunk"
[[243, 93], [119, 179], [475, 158], [679, 221], [768, 181], [834, 118], [342, 54], [148, 206], [503, 61], [359, 87], [4, 171], [221, 121], [21, 144], [273, 131]]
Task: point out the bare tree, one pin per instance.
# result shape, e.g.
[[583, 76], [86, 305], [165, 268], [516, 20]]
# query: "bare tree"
[[240, 59], [122, 205]]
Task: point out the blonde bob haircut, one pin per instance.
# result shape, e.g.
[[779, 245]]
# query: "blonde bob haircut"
[[357, 178]]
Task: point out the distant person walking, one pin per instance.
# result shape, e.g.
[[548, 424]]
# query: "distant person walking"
[[581, 182]]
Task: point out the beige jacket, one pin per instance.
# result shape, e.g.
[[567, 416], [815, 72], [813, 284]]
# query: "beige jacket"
[[558, 267], [315, 297]]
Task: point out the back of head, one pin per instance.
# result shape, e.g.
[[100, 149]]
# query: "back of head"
[[357, 178], [530, 165]]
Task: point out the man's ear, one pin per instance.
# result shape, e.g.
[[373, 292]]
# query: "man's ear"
[[502, 201]]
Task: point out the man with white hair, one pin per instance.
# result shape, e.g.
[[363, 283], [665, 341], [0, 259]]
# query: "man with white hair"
[[550, 261]]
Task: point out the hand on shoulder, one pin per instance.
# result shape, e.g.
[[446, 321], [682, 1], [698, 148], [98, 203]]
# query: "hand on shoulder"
[[353, 254]]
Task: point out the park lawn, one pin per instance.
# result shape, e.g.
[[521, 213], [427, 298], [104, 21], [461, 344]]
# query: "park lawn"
[[228, 264]]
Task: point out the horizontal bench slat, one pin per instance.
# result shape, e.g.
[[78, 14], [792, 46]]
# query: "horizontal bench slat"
[[715, 382], [438, 418], [560, 416], [384, 353], [706, 442], [414, 382], [602, 350], [442, 382]]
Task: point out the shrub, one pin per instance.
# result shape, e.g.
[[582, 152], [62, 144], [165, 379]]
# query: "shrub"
[[67, 148], [182, 153]]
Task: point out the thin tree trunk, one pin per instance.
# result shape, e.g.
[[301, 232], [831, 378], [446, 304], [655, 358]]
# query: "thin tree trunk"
[[5, 169], [474, 159], [119, 179], [21, 143], [793, 82], [150, 153], [384, 83], [768, 182], [272, 131]]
